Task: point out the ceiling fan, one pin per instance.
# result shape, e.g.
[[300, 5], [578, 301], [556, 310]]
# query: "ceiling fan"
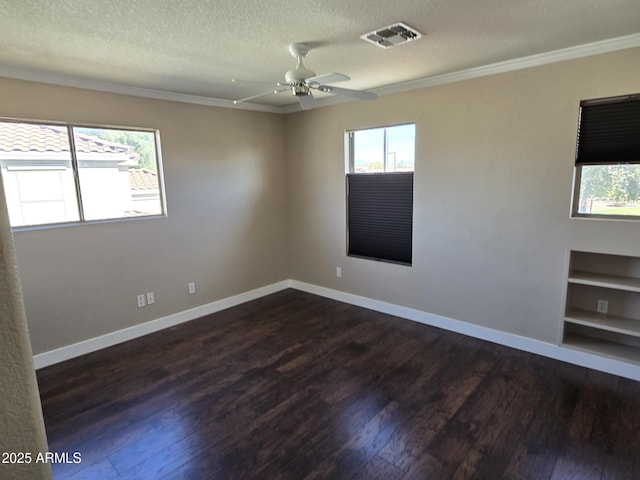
[[302, 80]]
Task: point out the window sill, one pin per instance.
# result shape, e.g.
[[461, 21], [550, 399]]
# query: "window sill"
[[49, 226]]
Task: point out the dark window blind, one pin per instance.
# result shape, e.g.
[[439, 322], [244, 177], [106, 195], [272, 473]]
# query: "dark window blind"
[[609, 131], [380, 216]]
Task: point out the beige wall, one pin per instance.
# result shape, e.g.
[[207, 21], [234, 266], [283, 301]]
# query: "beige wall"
[[225, 179], [254, 198], [493, 181]]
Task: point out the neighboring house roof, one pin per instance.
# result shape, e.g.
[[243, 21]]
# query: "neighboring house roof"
[[31, 137], [143, 179], [22, 139]]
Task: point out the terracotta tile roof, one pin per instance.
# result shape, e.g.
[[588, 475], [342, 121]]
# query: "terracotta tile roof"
[[28, 137], [88, 143], [143, 179], [21, 137]]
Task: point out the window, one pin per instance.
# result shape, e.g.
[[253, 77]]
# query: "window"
[[380, 193], [607, 179], [63, 174], [387, 149]]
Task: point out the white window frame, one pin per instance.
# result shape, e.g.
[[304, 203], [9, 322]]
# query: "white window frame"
[[378, 247], [575, 200], [75, 170], [350, 146], [615, 123]]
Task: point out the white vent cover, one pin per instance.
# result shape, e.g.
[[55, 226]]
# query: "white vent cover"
[[395, 34]]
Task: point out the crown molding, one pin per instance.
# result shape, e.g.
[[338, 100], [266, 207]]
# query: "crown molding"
[[109, 87], [570, 53]]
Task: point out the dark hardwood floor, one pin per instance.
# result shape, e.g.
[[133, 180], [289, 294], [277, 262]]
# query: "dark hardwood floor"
[[295, 386]]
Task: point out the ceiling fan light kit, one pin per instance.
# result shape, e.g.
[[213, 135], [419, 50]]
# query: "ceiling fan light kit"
[[301, 80], [300, 89]]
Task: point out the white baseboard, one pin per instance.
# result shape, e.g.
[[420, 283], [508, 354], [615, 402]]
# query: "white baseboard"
[[557, 352], [93, 344], [550, 350]]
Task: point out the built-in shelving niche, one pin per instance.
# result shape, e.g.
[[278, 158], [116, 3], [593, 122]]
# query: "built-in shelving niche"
[[615, 279]]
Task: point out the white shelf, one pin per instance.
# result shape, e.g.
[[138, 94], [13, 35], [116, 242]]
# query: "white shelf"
[[613, 279], [626, 326], [629, 284], [598, 346]]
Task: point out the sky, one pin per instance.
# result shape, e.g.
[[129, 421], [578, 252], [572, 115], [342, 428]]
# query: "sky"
[[369, 147]]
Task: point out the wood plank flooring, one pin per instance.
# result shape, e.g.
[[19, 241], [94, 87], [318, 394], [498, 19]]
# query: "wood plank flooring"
[[295, 386]]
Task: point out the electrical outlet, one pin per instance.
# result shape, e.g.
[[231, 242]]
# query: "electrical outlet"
[[141, 301], [151, 298], [603, 306], [339, 272], [192, 288]]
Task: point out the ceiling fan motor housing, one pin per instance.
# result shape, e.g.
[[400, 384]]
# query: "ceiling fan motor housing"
[[298, 75]]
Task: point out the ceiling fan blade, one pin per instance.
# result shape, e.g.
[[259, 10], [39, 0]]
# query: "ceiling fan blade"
[[264, 94], [307, 102], [328, 78], [359, 94]]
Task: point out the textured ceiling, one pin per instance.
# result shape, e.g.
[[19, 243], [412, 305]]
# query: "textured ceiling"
[[196, 47]]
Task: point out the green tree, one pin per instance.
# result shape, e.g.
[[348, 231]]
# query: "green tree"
[[619, 184], [143, 143], [624, 184], [595, 183]]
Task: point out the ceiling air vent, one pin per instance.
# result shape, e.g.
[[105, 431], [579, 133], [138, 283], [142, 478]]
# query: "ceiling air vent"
[[395, 34]]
